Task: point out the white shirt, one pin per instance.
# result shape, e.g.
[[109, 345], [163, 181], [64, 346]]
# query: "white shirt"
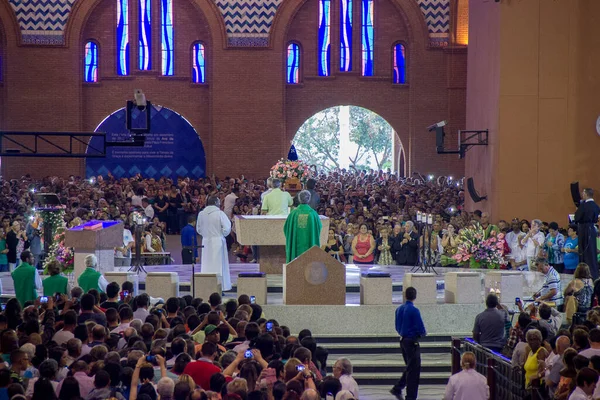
[[530, 248], [349, 384], [38, 283], [127, 238], [141, 314], [228, 204], [467, 385], [149, 211], [516, 252], [121, 328], [61, 337], [579, 394]]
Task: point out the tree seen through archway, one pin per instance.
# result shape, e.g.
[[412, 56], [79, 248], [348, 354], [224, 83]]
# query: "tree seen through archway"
[[345, 137]]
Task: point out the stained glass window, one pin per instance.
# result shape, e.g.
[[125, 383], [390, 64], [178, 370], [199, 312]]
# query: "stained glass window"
[[145, 35], [293, 63], [324, 37], [399, 64], [123, 37], [90, 66], [367, 37], [198, 64], [167, 37], [345, 35]]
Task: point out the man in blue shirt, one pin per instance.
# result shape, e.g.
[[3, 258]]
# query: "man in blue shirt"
[[409, 326], [189, 239]]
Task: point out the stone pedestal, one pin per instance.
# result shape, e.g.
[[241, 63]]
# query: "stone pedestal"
[[95, 237], [375, 289], [205, 285], [462, 287], [121, 277], [162, 284], [253, 284], [510, 284], [426, 286], [314, 278], [266, 232]]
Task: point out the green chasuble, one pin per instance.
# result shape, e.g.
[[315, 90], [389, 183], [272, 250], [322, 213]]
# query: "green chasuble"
[[24, 281], [55, 284], [89, 280], [302, 231], [491, 228]]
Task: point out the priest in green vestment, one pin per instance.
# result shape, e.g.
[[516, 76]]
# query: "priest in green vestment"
[[55, 283], [302, 228], [26, 279]]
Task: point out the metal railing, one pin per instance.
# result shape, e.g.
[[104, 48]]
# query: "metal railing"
[[506, 381]]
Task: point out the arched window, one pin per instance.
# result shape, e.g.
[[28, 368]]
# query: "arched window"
[[122, 37], [367, 37], [144, 35], [293, 63], [345, 35], [399, 56], [167, 37], [324, 37], [198, 63], [90, 64]]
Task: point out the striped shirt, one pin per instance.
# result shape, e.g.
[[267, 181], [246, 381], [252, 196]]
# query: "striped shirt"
[[553, 282]]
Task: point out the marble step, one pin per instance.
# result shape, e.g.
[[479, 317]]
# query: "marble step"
[[368, 338], [397, 366], [390, 378], [386, 347]]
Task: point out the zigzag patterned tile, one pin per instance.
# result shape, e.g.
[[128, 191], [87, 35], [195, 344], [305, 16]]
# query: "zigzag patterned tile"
[[250, 17], [42, 21]]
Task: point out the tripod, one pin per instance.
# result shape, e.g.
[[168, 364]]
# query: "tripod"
[[426, 259], [137, 264], [193, 249]]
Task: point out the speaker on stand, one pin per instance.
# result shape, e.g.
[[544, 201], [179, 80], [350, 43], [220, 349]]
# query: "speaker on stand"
[[473, 193], [575, 194]]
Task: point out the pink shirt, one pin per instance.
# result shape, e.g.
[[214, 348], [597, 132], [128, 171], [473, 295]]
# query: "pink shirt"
[[86, 384], [467, 385]]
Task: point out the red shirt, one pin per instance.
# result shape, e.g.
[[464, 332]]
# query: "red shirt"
[[201, 371]]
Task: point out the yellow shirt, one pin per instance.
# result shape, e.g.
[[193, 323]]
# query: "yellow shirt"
[[277, 202], [531, 366]]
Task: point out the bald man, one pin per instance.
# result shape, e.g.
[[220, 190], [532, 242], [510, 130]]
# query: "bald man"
[[552, 375]]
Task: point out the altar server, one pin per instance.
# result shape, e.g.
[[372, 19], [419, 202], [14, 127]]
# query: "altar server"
[[213, 225]]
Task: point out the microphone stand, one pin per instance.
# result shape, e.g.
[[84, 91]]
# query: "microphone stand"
[[193, 248], [137, 264]]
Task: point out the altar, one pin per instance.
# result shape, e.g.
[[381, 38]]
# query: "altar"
[[266, 232]]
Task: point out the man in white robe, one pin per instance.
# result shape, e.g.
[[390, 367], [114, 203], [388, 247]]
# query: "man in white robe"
[[213, 225]]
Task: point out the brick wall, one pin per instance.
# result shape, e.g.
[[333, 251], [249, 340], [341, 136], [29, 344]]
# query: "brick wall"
[[245, 115]]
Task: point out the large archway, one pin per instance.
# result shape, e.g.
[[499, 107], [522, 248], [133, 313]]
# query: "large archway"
[[172, 148], [344, 137]]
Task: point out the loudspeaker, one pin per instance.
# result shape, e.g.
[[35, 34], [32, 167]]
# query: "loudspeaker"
[[473, 193], [575, 193], [439, 138]]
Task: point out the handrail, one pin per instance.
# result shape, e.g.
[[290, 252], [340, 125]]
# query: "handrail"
[[506, 382]]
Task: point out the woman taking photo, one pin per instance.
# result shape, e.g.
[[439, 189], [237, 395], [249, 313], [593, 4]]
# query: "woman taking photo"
[[363, 246]]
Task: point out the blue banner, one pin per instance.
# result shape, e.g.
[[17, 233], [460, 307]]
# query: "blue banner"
[[172, 148]]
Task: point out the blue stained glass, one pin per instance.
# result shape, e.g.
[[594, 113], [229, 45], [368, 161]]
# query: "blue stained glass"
[[123, 37], [293, 63], [198, 64], [91, 62], [345, 35], [399, 64], [367, 37], [167, 37], [324, 37], [145, 35]]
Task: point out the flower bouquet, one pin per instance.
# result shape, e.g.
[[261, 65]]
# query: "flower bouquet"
[[286, 169], [477, 251], [61, 253]]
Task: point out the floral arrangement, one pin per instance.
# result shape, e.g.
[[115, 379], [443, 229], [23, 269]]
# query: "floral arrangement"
[[57, 250], [285, 169], [478, 251]]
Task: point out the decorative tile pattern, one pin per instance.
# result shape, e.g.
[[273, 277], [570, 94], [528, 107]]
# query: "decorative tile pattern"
[[248, 19], [42, 21], [437, 16]]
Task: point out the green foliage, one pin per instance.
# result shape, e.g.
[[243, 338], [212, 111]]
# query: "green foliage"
[[318, 139]]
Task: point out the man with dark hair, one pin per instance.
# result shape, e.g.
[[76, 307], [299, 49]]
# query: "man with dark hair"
[[215, 301], [112, 292], [172, 307], [102, 387], [87, 311], [594, 349], [489, 325], [243, 299], [19, 361], [203, 369], [125, 315], [26, 280], [66, 333], [189, 242], [587, 379], [550, 319], [586, 217], [142, 302], [213, 225], [409, 326]]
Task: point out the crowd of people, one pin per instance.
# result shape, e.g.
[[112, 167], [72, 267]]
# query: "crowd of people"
[[98, 341]]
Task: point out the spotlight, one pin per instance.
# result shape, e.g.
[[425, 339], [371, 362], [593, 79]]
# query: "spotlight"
[[140, 99]]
